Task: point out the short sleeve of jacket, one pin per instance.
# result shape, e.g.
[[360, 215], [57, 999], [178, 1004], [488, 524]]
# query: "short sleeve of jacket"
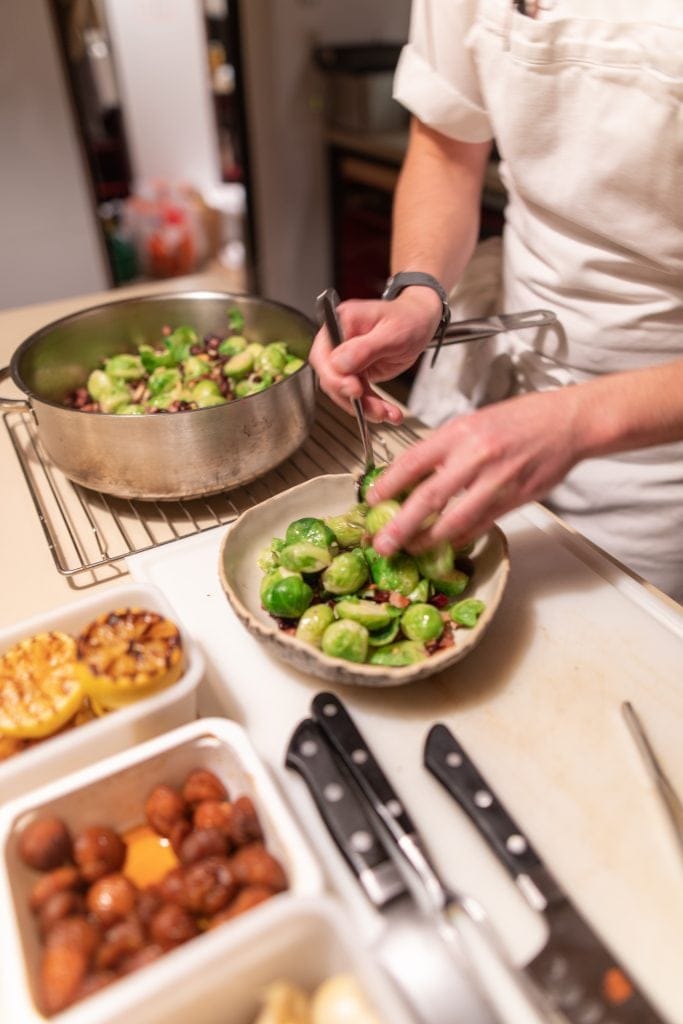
[[436, 77]]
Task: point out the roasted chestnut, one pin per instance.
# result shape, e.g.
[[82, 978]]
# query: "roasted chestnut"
[[98, 851], [164, 807], [59, 880], [111, 898], [171, 926], [200, 785], [45, 844]]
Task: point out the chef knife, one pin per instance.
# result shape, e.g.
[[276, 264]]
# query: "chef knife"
[[437, 988], [460, 919], [578, 974]]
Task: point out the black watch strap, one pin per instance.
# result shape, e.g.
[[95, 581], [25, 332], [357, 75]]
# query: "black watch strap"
[[406, 278]]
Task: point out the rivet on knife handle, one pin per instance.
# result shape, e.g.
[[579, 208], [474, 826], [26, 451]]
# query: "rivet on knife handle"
[[447, 760], [340, 729], [338, 726], [334, 793]]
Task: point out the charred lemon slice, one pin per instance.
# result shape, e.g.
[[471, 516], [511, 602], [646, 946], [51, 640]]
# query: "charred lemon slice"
[[128, 654], [39, 688]]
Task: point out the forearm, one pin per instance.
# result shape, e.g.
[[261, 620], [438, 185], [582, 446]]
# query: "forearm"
[[437, 204], [626, 411]]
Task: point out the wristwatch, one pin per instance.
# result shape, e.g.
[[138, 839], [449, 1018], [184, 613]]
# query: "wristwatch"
[[406, 278]]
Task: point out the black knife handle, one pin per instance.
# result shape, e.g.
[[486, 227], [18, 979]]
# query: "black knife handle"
[[447, 760], [334, 793], [335, 721]]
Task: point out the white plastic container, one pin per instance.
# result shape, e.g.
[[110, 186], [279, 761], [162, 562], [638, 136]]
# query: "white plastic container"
[[112, 793], [117, 730], [303, 941]]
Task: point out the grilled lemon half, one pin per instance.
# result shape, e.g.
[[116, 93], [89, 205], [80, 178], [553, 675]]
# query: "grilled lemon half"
[[39, 686], [128, 654]]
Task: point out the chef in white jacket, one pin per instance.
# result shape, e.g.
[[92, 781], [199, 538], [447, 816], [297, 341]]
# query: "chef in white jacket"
[[584, 101]]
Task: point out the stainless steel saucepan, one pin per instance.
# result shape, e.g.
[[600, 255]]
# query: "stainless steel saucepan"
[[169, 456]]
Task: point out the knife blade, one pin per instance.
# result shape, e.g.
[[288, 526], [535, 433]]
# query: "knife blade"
[[436, 987], [460, 920], [579, 975]]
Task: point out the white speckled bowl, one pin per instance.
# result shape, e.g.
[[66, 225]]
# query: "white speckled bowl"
[[324, 496]]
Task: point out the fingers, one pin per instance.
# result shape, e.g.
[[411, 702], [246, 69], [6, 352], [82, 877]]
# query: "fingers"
[[414, 465], [378, 409]]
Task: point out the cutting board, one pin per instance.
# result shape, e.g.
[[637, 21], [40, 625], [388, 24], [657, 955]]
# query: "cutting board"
[[537, 705]]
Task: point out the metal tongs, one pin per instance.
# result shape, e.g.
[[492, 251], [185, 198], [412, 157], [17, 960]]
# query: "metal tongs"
[[327, 303], [669, 797], [460, 331]]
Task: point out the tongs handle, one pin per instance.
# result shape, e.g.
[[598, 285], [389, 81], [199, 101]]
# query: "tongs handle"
[[327, 303], [459, 331]]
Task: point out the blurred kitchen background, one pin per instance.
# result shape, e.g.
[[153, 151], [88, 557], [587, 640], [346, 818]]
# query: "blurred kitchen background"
[[146, 139]]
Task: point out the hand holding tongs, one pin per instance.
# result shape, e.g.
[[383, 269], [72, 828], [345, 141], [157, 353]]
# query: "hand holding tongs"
[[668, 795]]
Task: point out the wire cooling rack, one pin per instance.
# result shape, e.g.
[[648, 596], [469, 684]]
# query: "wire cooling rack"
[[87, 529]]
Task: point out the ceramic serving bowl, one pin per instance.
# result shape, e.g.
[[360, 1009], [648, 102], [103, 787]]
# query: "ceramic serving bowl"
[[324, 496]]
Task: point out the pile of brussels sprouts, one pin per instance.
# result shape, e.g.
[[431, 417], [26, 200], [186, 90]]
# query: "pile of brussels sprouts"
[[325, 583], [185, 372]]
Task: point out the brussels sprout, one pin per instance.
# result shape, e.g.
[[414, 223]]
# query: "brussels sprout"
[[232, 345], [436, 562], [195, 366], [367, 480], [369, 613], [421, 593], [308, 528], [255, 348], [151, 359], [346, 573], [163, 380], [251, 386], [131, 409], [179, 343], [313, 624], [292, 365], [387, 635], [271, 360], [117, 396], [467, 612], [346, 639], [98, 384], [285, 594], [206, 393], [302, 556], [236, 320], [267, 560], [124, 367], [239, 366], [349, 528], [452, 583], [422, 622], [403, 652], [381, 514], [397, 572]]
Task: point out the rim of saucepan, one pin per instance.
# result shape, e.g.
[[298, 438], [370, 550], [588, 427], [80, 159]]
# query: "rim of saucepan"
[[148, 297]]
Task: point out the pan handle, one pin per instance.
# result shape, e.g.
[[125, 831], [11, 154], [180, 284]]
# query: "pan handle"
[[7, 404]]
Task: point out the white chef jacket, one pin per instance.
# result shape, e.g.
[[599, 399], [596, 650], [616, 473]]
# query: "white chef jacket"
[[585, 104]]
